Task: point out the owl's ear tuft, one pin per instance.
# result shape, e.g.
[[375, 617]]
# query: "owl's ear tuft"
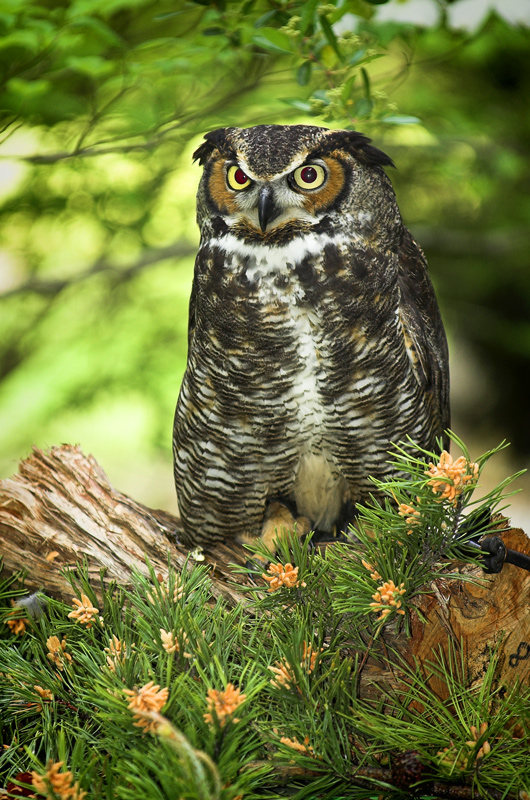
[[359, 146], [215, 140], [201, 154], [376, 157]]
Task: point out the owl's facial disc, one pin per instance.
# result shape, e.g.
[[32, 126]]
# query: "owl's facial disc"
[[279, 199], [238, 180]]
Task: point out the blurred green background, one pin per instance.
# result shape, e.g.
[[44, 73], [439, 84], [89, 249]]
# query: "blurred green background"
[[102, 104]]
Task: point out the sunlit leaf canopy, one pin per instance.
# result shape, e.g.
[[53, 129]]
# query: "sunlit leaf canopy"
[[102, 104]]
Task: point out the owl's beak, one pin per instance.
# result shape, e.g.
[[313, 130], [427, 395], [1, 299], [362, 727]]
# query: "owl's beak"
[[266, 207]]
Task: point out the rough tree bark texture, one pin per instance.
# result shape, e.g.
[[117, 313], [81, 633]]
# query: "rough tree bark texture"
[[60, 509], [491, 614]]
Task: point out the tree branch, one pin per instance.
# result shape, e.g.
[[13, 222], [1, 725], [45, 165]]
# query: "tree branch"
[[51, 288], [163, 129], [284, 774]]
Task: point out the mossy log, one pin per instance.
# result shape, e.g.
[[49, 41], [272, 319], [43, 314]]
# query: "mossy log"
[[60, 509]]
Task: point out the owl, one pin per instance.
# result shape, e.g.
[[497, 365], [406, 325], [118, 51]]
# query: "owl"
[[315, 338]]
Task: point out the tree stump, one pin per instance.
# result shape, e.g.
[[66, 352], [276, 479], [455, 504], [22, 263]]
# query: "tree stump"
[[60, 509], [491, 614]]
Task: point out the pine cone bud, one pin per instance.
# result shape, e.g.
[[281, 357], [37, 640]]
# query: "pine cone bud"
[[406, 769]]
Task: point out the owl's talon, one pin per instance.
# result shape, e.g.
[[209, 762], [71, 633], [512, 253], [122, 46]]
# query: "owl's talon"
[[255, 570]]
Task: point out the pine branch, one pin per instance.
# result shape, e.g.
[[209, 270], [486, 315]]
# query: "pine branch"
[[288, 679], [461, 792]]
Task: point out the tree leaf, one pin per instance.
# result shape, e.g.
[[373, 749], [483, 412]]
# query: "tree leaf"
[[366, 82], [363, 107], [93, 66], [360, 57], [308, 16], [401, 119], [320, 94], [330, 35], [273, 40], [271, 16], [28, 89], [247, 6], [26, 39], [303, 73], [348, 87], [295, 102], [214, 31], [100, 28], [356, 57]]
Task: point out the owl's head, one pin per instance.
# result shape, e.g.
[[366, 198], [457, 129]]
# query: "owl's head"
[[264, 181]]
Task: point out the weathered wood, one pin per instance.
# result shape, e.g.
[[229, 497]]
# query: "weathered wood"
[[492, 613], [60, 509]]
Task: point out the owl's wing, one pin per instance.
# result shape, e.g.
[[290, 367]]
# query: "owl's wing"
[[191, 315], [423, 330]]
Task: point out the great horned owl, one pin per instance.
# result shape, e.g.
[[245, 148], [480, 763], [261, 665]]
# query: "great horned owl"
[[315, 339]]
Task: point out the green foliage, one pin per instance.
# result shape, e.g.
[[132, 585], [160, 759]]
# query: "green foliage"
[[87, 723], [407, 541], [161, 691], [135, 70], [450, 736], [102, 105], [328, 63], [422, 522]]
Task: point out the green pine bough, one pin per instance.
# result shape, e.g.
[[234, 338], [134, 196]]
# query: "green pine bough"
[[159, 691]]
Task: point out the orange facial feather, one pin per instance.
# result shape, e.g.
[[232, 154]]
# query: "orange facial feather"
[[219, 192], [324, 197]]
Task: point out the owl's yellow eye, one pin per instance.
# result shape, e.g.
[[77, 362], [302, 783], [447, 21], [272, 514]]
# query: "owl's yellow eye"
[[311, 176], [237, 179]]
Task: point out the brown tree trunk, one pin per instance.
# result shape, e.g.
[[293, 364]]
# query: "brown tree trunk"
[[60, 509]]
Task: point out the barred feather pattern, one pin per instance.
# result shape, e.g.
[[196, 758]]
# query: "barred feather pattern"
[[313, 347]]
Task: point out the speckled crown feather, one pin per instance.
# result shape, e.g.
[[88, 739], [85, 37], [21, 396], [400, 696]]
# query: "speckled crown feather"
[[270, 149]]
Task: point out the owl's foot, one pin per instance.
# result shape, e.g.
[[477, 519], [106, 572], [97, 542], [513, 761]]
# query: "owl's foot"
[[279, 524], [328, 537]]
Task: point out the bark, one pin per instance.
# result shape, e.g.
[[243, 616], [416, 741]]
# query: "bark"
[[60, 509], [489, 614]]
